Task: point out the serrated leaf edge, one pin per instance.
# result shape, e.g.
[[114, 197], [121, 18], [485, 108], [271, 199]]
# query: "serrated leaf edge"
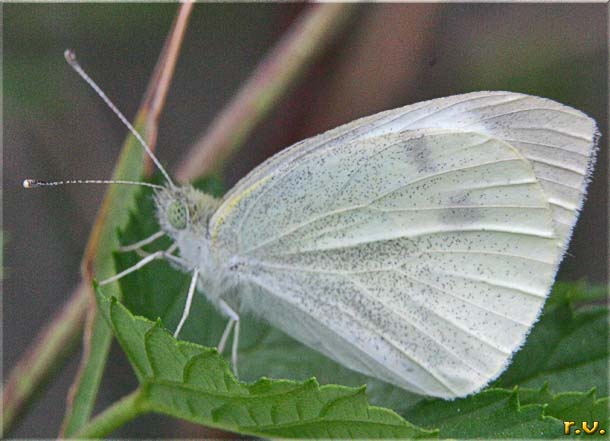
[[312, 384]]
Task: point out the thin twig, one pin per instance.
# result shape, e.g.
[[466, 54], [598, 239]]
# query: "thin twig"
[[274, 76]]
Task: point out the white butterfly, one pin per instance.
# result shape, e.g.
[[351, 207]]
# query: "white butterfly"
[[417, 245]]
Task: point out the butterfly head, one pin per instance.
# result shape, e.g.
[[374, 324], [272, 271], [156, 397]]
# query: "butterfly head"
[[181, 209]]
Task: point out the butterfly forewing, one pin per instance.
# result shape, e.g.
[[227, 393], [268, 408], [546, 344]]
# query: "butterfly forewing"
[[558, 141]]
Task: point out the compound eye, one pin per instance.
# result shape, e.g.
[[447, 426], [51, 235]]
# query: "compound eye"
[[177, 215]]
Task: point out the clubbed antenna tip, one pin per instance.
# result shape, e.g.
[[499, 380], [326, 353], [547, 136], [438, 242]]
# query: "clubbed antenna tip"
[[70, 56]]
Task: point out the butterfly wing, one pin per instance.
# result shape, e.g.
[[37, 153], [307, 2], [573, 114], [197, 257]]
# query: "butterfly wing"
[[559, 141], [420, 257]]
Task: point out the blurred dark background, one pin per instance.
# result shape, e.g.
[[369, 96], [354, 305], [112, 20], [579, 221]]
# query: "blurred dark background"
[[388, 56]]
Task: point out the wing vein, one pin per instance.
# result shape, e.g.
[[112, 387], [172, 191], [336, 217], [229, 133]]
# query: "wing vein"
[[413, 235], [457, 103], [489, 282], [555, 165], [559, 132], [559, 183], [439, 289], [456, 207], [563, 204], [490, 253], [445, 172], [556, 147], [527, 110]]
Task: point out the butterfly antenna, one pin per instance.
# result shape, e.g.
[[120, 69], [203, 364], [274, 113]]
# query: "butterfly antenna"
[[35, 183], [71, 59]]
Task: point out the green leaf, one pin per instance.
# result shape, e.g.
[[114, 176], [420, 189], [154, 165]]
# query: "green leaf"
[[494, 413], [502, 413], [192, 382], [570, 406]]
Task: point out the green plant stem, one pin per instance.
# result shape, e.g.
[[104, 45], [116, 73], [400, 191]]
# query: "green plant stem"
[[121, 412], [272, 79], [54, 343], [81, 398]]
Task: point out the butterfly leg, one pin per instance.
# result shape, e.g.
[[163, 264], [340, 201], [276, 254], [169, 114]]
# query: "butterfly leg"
[[233, 321], [176, 259], [189, 301], [140, 252], [138, 245], [225, 336], [144, 262], [133, 268], [234, 349]]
